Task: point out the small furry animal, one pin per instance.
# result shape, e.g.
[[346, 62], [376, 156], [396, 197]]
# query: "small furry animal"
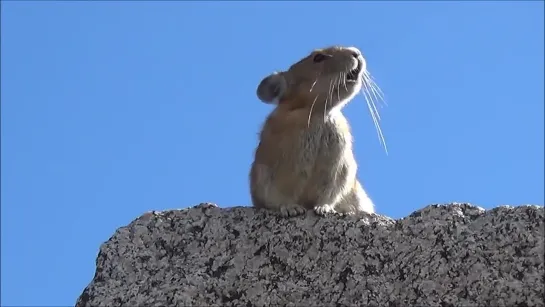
[[304, 159]]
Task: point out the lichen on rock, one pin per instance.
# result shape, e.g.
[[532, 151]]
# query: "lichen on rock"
[[441, 255]]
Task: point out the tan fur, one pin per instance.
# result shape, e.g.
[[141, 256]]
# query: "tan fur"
[[304, 159]]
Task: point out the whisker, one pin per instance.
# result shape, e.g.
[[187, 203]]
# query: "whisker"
[[372, 110], [374, 87], [314, 102], [368, 82], [366, 87], [329, 97], [377, 127], [330, 93], [373, 79], [343, 76], [310, 112], [338, 87], [313, 84]]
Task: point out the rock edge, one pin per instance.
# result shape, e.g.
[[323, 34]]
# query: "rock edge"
[[441, 255]]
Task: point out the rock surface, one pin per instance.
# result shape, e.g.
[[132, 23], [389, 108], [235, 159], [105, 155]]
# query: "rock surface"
[[442, 255]]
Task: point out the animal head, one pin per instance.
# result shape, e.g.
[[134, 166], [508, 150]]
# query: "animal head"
[[331, 76], [324, 80]]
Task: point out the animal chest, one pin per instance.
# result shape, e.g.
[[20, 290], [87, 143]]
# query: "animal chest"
[[324, 140]]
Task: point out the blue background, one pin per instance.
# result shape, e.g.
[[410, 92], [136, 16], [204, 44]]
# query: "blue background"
[[112, 109]]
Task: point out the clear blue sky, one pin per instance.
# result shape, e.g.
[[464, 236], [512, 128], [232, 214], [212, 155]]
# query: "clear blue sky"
[[112, 109]]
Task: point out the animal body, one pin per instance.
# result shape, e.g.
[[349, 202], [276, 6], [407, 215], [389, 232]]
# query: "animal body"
[[304, 160]]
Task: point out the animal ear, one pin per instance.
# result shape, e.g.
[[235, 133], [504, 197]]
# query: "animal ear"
[[272, 88]]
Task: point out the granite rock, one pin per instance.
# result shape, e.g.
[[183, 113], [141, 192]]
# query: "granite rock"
[[441, 255]]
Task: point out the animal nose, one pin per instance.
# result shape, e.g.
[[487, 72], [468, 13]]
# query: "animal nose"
[[355, 53]]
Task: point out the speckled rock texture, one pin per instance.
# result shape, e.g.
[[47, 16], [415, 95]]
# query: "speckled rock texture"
[[442, 255]]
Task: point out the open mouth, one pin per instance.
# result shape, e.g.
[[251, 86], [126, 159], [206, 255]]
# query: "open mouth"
[[352, 76]]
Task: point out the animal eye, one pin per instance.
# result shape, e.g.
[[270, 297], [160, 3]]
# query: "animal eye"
[[319, 57]]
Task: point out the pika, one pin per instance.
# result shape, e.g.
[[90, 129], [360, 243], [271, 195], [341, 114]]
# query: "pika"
[[304, 159]]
